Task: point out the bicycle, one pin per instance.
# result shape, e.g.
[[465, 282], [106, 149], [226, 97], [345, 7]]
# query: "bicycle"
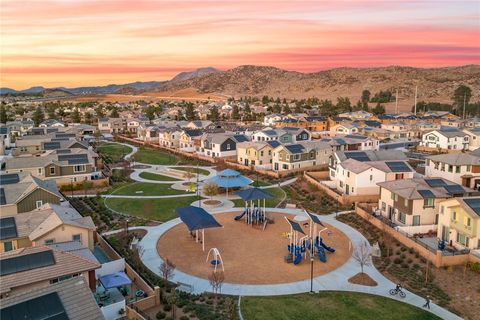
[[398, 291]]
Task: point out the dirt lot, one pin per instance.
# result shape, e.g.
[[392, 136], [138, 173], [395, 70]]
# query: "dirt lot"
[[250, 255]]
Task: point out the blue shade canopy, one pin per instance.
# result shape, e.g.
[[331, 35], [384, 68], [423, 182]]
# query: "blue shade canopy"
[[114, 280], [230, 179], [295, 226], [253, 194], [197, 218], [314, 218]]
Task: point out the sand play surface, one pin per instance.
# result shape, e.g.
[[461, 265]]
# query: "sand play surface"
[[250, 255]]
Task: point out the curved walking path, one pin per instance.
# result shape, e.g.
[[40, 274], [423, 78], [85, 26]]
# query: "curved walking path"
[[336, 280]]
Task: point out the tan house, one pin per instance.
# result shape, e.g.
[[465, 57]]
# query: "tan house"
[[46, 225], [301, 155], [21, 193], [459, 223], [27, 269], [63, 166], [257, 154], [169, 138]]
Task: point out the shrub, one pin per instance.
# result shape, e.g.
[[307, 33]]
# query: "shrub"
[[161, 315], [409, 260], [398, 260], [403, 249], [184, 318], [167, 307], [402, 256], [404, 265], [475, 267]]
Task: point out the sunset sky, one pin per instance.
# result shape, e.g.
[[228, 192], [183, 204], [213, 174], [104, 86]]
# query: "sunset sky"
[[75, 43]]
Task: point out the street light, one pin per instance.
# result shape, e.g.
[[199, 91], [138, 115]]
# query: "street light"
[[311, 269]]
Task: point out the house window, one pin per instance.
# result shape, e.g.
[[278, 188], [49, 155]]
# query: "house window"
[[49, 241], [468, 168], [384, 206], [468, 222], [371, 177], [442, 209], [454, 216], [457, 169], [38, 203], [261, 153], [450, 168], [79, 168], [296, 157], [39, 170], [405, 202], [77, 237], [428, 202], [401, 217], [7, 246], [353, 190], [228, 146], [393, 196], [416, 220], [52, 171], [462, 239]]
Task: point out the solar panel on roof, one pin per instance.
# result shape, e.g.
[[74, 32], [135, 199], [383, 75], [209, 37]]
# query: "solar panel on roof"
[[435, 182], [46, 307], [398, 166], [8, 228], [51, 145], [454, 189], [341, 141], [59, 139], [26, 262], [273, 143], [63, 151], [295, 148], [426, 194], [473, 203], [359, 156], [10, 178]]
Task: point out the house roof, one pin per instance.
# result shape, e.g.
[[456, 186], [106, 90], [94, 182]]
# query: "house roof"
[[372, 155], [75, 296], [13, 193], [64, 264], [415, 188], [51, 156], [458, 159], [48, 217]]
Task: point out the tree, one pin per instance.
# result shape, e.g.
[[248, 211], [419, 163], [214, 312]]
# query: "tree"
[[3, 113], [214, 115], [150, 113], [19, 110], [173, 300], [114, 113], [460, 96], [75, 116], [179, 114], [265, 100], [235, 112], [210, 189], [286, 109], [216, 280], [88, 117], [247, 109], [362, 255], [343, 104], [51, 110], [188, 174], [99, 111], [383, 97], [358, 106], [190, 113], [38, 116], [365, 96], [379, 109], [167, 268]]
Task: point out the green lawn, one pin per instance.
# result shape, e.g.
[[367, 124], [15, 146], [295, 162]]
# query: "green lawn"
[[113, 150], [154, 209], [154, 157], [330, 305], [156, 177], [270, 203], [193, 170], [149, 189]]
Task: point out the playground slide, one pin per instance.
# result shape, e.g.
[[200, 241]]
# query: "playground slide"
[[240, 216], [321, 253], [329, 249], [298, 259]]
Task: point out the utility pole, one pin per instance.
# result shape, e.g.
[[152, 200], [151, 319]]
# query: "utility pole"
[[464, 99], [396, 101], [415, 108]]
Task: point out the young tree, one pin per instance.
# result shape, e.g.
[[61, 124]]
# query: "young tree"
[[362, 255], [235, 112], [173, 300], [167, 268], [38, 116], [188, 174], [210, 189], [216, 281], [379, 109]]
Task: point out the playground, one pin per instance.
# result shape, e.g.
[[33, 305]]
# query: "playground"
[[251, 254]]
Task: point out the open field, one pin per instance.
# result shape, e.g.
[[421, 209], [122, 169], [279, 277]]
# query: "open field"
[[113, 150], [154, 209], [154, 157], [156, 177], [146, 189], [330, 305], [251, 255]]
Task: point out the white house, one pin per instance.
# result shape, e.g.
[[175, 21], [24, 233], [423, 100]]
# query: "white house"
[[446, 138], [461, 168], [271, 119], [344, 129], [474, 137]]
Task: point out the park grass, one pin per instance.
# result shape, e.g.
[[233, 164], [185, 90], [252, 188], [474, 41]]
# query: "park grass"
[[114, 150], [149, 189], [192, 170], [156, 177], [330, 305], [278, 194], [153, 209], [155, 157]]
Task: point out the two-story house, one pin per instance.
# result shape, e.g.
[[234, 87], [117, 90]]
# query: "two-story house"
[[344, 129], [474, 137], [446, 139], [256, 154], [187, 139], [169, 137], [415, 202], [300, 155], [219, 145], [461, 168], [459, 222]]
